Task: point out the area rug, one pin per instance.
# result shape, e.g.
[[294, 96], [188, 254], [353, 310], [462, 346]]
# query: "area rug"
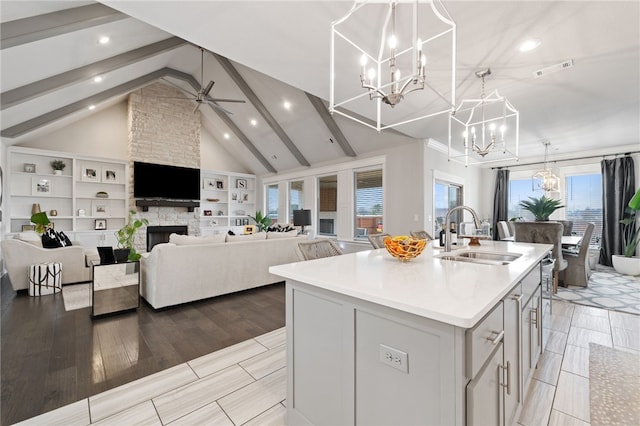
[[614, 386], [606, 289], [76, 296]]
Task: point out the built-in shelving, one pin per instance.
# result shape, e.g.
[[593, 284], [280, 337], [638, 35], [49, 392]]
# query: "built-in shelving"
[[227, 200], [88, 194]]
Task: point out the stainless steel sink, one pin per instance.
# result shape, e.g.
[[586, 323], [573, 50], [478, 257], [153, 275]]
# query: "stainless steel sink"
[[500, 257], [481, 257]]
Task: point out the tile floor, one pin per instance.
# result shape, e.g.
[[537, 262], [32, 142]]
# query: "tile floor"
[[245, 384]]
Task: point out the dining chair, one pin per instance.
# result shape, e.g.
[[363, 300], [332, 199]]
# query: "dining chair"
[[421, 235], [318, 249], [504, 232], [377, 240], [567, 227], [578, 270], [544, 233]]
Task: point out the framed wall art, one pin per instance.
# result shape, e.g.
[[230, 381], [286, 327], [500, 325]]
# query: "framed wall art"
[[99, 208], [110, 175], [41, 187], [101, 224], [90, 173]]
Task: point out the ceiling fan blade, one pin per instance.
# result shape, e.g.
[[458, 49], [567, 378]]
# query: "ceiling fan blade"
[[208, 89], [176, 97], [239, 101], [197, 106]]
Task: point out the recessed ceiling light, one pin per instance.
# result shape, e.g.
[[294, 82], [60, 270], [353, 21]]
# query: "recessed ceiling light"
[[530, 44], [226, 135], [103, 40], [254, 122], [98, 79], [92, 107], [287, 105]]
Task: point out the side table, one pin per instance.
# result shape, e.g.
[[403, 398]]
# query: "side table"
[[115, 287]]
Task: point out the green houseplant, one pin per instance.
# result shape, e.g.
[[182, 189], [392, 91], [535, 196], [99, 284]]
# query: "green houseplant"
[[41, 221], [628, 263], [58, 166], [126, 234], [262, 222], [542, 207]]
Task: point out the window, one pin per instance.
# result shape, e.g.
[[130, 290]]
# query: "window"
[[519, 190], [327, 205], [583, 203], [272, 202], [295, 197], [446, 196], [368, 202]]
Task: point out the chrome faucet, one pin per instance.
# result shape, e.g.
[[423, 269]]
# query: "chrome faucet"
[[447, 243]]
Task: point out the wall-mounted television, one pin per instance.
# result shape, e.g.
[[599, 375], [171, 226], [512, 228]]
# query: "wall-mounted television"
[[165, 182]]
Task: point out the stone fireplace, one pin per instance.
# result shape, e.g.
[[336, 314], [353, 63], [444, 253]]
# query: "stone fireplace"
[[163, 131], [160, 234]]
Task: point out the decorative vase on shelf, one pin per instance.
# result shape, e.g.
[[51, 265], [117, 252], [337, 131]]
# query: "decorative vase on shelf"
[[57, 172]]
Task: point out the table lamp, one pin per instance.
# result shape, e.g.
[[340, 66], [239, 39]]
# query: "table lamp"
[[301, 218]]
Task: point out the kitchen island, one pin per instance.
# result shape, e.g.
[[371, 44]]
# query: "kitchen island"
[[372, 340]]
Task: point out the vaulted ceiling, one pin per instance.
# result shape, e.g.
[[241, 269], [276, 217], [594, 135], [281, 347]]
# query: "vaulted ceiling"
[[269, 52]]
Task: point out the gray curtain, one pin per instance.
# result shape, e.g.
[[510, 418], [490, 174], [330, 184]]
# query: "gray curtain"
[[500, 200], [618, 184]]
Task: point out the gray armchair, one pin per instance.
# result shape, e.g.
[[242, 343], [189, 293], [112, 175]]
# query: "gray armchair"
[[567, 227], [544, 233], [578, 270]]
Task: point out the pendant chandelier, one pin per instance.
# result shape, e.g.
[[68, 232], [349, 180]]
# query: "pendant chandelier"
[[484, 130], [390, 43], [546, 180]]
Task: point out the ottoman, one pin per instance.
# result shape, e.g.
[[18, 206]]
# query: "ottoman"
[[45, 278]]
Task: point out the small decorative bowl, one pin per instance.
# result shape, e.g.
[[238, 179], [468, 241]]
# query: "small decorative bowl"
[[403, 247]]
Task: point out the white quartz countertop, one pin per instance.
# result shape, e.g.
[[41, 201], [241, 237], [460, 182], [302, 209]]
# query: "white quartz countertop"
[[456, 293]]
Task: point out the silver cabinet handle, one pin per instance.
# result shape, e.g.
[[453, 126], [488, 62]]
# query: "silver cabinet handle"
[[517, 298], [508, 384], [496, 339], [534, 316]]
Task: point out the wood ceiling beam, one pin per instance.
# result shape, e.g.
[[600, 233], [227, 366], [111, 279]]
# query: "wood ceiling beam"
[[331, 124], [257, 103], [34, 28], [123, 89], [42, 87]]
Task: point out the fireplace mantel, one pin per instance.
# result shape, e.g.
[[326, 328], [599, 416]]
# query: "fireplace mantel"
[[145, 204]]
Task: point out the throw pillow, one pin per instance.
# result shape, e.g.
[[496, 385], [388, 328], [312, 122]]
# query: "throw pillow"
[[50, 239], [288, 234], [230, 232], [183, 240], [280, 228], [250, 237], [31, 237], [62, 237]]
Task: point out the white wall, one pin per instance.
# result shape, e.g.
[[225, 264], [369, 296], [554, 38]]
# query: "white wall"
[[213, 156], [102, 134]]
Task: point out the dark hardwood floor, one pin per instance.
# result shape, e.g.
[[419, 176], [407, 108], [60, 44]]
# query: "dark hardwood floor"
[[51, 357]]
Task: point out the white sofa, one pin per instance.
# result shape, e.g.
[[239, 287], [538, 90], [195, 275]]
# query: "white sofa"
[[178, 273], [19, 255]]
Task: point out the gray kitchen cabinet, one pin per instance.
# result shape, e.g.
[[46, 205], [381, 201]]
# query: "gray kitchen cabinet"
[[485, 396], [512, 353]]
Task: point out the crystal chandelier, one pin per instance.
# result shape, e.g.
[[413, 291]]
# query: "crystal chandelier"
[[392, 57], [486, 127], [546, 180]]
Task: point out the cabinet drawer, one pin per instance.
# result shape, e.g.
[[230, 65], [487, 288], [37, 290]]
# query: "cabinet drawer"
[[482, 339], [531, 282]]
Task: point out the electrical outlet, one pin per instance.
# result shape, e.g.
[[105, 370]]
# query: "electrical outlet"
[[394, 358]]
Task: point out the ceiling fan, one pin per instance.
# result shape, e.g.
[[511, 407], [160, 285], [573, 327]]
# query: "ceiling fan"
[[202, 96]]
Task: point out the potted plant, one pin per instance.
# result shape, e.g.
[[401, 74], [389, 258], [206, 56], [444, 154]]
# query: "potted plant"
[[628, 263], [41, 221], [262, 222], [125, 236], [58, 166], [542, 207]]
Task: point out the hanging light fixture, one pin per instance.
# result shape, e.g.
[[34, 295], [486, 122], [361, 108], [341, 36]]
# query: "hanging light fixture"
[[546, 180], [392, 61], [484, 130]]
